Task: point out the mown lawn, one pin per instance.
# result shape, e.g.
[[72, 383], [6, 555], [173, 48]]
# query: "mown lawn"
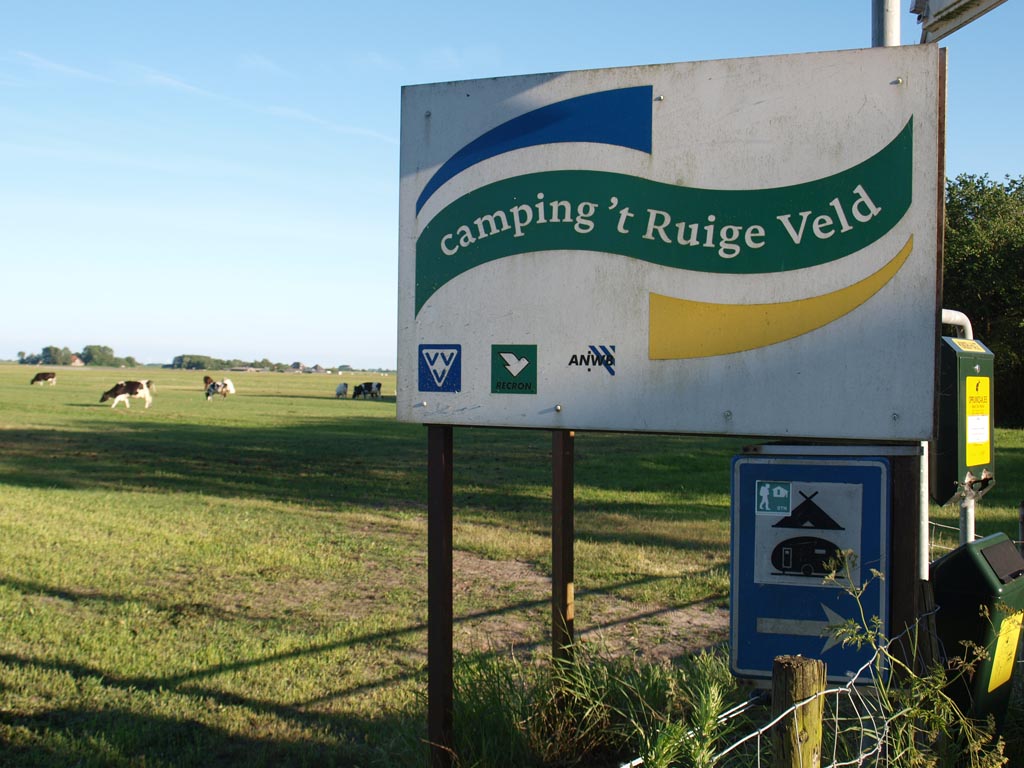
[[242, 582]]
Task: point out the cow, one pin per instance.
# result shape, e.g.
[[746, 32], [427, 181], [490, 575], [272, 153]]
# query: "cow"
[[222, 388], [123, 390], [45, 377], [342, 390], [366, 389]]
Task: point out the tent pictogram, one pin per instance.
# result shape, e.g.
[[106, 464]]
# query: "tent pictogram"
[[810, 516]]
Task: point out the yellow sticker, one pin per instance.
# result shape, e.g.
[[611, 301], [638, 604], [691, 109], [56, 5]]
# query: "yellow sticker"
[[977, 422], [968, 345], [1006, 651]]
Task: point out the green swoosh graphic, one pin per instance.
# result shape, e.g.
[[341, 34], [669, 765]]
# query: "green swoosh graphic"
[[706, 230]]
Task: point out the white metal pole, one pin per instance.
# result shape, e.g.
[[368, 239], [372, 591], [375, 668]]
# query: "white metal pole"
[[885, 23], [923, 558], [967, 519]]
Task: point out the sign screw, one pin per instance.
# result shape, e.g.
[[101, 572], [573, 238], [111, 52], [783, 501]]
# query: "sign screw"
[[558, 409], [727, 415]]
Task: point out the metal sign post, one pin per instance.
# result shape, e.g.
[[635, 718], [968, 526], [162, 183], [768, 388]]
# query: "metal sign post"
[[562, 538], [440, 614]]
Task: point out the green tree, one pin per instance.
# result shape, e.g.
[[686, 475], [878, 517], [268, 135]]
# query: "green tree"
[[194, 362], [56, 356], [984, 276], [95, 354]]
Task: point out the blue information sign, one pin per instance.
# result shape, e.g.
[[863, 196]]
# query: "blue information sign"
[[795, 520]]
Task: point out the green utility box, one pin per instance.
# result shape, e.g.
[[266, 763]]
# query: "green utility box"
[[979, 591], [964, 442]]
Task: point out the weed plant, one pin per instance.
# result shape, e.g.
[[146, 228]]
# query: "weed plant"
[[917, 722]]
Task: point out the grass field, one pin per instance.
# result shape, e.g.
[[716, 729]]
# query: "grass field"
[[243, 581]]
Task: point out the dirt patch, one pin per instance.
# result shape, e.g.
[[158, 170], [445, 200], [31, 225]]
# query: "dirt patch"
[[517, 615]]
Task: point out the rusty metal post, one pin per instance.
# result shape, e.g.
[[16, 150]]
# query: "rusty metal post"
[[562, 539], [440, 615]]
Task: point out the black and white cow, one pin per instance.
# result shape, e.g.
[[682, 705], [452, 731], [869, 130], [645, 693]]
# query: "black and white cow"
[[222, 388], [342, 390], [45, 377], [366, 389], [123, 390]]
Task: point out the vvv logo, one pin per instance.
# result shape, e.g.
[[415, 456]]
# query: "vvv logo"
[[440, 368], [724, 231]]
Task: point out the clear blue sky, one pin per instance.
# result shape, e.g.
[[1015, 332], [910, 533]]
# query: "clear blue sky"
[[222, 178]]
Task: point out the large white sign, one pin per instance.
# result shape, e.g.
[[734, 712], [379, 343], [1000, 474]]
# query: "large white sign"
[[728, 247]]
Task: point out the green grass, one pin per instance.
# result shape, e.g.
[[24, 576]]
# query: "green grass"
[[242, 582]]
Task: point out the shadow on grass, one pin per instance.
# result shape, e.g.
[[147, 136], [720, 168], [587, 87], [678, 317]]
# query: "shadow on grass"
[[356, 460], [120, 737], [84, 736]]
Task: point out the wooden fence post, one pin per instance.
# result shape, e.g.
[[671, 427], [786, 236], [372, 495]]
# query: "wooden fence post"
[[796, 739]]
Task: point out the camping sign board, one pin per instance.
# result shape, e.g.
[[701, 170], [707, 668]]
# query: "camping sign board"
[[743, 246]]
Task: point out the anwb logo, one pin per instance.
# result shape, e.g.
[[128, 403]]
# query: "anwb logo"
[[440, 368]]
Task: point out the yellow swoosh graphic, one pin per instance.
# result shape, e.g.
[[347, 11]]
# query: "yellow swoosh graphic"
[[683, 329]]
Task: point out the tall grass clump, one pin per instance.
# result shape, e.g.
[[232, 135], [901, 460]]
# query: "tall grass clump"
[[590, 709]]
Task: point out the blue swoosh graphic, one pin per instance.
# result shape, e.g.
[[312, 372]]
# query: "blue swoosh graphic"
[[621, 117]]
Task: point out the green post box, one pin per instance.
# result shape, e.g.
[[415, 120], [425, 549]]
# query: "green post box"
[[964, 443], [982, 576]]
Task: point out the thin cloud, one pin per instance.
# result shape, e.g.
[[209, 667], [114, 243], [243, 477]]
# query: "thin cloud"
[[255, 62], [61, 69], [376, 61], [176, 84], [300, 115]]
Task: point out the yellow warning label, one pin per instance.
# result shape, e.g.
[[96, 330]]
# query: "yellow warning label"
[[968, 345], [977, 421], [1006, 651]]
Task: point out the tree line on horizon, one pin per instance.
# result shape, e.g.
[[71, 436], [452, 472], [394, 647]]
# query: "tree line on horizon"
[[91, 354], [99, 355]]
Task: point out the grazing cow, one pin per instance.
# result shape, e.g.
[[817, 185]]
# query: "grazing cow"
[[123, 390], [222, 388], [342, 390], [45, 377], [366, 389]]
